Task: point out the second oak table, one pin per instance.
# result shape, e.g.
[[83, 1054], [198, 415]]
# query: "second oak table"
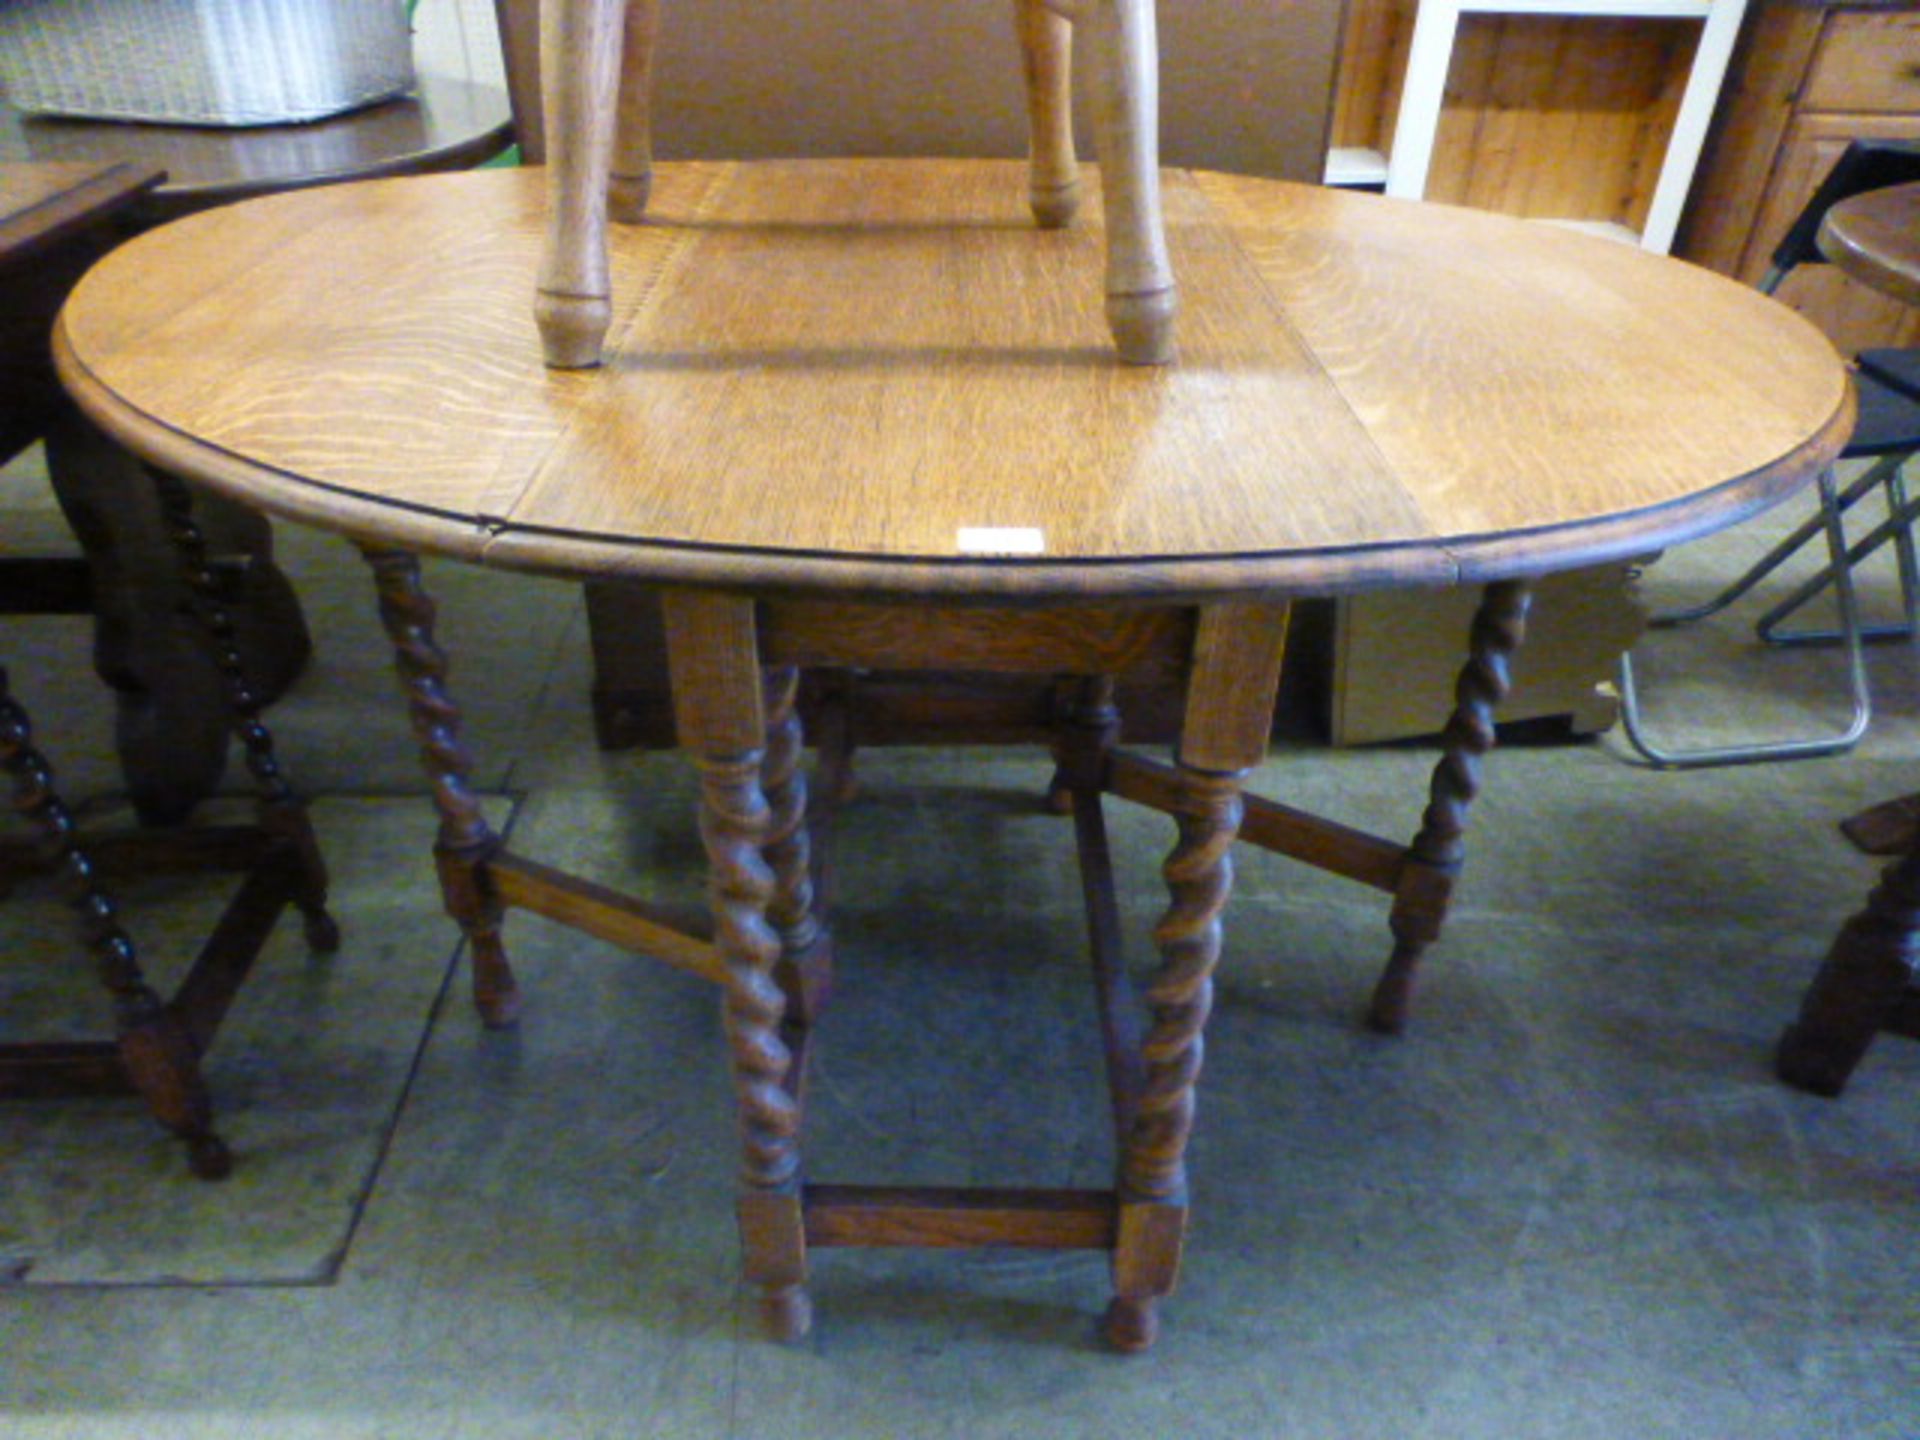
[[864, 414]]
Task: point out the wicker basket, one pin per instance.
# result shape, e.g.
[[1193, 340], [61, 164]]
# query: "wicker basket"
[[203, 62]]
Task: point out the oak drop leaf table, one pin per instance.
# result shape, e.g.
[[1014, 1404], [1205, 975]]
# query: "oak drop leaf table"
[[865, 414]]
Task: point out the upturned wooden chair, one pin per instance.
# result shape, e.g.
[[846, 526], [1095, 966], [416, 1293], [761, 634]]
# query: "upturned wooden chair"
[[597, 62]]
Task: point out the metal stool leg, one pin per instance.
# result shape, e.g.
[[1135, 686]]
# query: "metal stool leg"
[[1881, 472], [1842, 579], [1896, 529]]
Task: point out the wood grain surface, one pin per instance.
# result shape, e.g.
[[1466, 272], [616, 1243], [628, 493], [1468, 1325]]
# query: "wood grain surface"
[[1876, 239], [881, 377], [41, 202]]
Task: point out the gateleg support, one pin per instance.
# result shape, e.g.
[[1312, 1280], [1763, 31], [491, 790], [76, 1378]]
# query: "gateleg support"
[[713, 655], [1433, 860]]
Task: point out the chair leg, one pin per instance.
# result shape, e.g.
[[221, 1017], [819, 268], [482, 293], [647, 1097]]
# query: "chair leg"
[[1668, 759], [630, 180], [579, 53], [1046, 52], [1876, 474], [1140, 291]]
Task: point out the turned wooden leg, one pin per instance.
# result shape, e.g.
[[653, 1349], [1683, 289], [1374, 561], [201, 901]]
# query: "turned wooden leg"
[[1046, 53], [805, 971], [1081, 746], [283, 814], [1140, 291], [1434, 858], [1859, 987], [1153, 1177], [712, 651], [1231, 685], [466, 843], [155, 1047], [580, 43], [630, 179]]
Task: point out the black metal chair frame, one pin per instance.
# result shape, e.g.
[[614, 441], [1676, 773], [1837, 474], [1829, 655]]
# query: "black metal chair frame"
[[1889, 434]]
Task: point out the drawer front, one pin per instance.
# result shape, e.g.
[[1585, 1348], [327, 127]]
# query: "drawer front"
[[1868, 61]]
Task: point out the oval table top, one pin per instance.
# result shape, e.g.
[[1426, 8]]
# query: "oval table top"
[[1875, 237], [878, 377]]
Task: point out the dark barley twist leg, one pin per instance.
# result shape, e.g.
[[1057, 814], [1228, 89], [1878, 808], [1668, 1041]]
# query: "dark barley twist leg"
[[465, 843], [156, 1049], [1153, 1180], [805, 969], [282, 812], [1434, 858], [735, 822], [1859, 985]]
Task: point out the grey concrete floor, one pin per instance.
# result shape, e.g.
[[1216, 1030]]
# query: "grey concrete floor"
[[1571, 1202]]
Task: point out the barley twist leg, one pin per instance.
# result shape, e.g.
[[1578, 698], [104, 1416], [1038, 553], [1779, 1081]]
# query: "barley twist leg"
[[466, 843], [1434, 858], [156, 1049], [1153, 1182], [805, 968], [735, 821], [283, 814]]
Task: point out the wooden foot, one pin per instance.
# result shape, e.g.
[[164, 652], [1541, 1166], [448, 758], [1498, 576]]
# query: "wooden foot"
[[1046, 53], [630, 184], [1131, 1324], [1434, 858], [1889, 828], [208, 1156], [573, 328], [1859, 987], [1142, 326], [1054, 208], [628, 197], [466, 843], [1140, 291], [786, 1312]]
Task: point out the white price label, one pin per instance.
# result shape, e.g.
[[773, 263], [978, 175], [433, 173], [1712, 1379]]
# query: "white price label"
[[1000, 540]]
